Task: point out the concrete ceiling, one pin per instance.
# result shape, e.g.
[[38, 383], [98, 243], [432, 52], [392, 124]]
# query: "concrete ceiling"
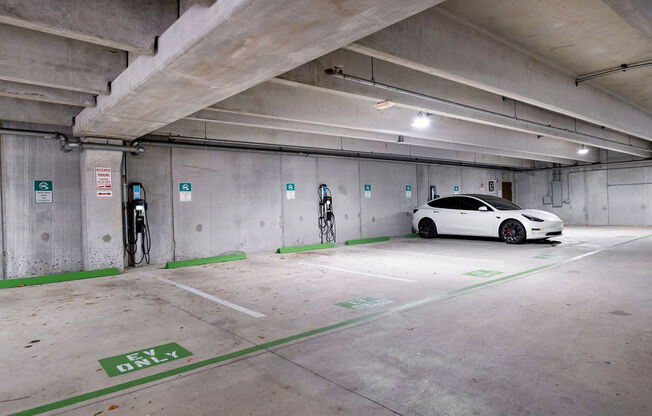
[[580, 36]]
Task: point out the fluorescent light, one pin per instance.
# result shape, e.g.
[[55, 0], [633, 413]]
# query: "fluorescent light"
[[383, 105], [421, 121], [582, 150]]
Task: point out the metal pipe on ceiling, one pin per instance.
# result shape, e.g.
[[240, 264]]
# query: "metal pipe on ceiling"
[[200, 143], [66, 145], [604, 72], [562, 132]]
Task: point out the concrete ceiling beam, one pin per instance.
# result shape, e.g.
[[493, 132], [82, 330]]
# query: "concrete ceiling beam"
[[29, 111], [281, 101], [438, 43], [36, 58], [45, 94], [211, 53], [638, 13], [121, 24], [233, 118], [249, 134], [453, 100]]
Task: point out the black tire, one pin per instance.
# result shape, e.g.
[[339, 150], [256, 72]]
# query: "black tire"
[[512, 232], [427, 228]]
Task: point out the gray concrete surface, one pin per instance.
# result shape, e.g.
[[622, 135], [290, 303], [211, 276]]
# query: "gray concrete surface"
[[39, 238], [613, 195], [490, 63], [572, 338], [211, 53], [101, 217]]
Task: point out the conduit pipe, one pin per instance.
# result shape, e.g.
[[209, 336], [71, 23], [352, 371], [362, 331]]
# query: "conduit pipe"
[[66, 145], [200, 143], [487, 115]]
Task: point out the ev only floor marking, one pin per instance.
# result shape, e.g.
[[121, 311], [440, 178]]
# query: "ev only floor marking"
[[200, 364], [148, 357]]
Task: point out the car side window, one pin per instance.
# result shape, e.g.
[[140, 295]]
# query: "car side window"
[[446, 203], [470, 204]]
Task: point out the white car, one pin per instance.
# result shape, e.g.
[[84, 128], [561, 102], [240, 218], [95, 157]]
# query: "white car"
[[484, 216]]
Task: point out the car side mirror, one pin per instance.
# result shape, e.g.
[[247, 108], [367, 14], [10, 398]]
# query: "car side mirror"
[[483, 208]]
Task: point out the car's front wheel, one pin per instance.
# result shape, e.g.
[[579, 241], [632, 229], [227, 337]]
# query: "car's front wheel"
[[512, 232], [427, 228]]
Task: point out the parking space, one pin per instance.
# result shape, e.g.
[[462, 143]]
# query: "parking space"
[[362, 322]]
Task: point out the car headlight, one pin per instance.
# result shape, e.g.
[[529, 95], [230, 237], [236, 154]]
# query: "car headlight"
[[531, 218]]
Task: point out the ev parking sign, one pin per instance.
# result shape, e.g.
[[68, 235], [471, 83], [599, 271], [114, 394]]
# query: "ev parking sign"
[[43, 192], [185, 191]]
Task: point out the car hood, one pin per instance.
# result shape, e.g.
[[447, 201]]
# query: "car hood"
[[544, 215]]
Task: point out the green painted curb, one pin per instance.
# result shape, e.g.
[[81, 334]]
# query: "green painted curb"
[[411, 235], [205, 260], [365, 241], [304, 248], [62, 277]]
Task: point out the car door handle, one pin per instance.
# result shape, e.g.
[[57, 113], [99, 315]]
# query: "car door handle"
[[463, 213], [436, 212]]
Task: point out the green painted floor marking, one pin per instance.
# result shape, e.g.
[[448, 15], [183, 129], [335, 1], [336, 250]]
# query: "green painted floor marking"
[[304, 248], [366, 240], [62, 277], [199, 364], [483, 273], [411, 235], [205, 260], [148, 357], [364, 303], [547, 257]]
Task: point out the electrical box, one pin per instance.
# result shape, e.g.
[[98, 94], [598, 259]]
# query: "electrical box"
[[557, 200], [547, 200]]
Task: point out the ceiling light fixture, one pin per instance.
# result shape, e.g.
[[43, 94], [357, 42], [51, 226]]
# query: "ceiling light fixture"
[[383, 105], [582, 150], [421, 121]]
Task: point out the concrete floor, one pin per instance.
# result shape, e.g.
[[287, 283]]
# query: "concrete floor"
[[571, 337]]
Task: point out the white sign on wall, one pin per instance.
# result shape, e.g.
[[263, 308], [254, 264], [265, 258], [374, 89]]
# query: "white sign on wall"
[[367, 191], [408, 191], [185, 191], [103, 178], [290, 191]]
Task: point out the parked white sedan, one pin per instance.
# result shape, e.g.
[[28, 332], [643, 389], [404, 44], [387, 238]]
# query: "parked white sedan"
[[484, 216]]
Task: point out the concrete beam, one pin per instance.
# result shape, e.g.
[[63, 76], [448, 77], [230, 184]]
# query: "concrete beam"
[[638, 13], [442, 45], [248, 134], [121, 24], [211, 53], [51, 61], [45, 94], [291, 103], [453, 100], [29, 111], [222, 118]]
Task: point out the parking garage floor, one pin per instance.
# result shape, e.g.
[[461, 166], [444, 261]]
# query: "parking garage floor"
[[448, 326]]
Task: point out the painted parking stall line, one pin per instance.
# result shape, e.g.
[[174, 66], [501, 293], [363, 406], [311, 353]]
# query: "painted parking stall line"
[[212, 298], [148, 357], [381, 276]]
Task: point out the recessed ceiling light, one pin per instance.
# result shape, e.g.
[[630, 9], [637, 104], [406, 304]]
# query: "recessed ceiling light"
[[383, 105], [421, 121]]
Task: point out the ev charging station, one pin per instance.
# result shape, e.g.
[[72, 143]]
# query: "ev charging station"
[[139, 240], [326, 215]]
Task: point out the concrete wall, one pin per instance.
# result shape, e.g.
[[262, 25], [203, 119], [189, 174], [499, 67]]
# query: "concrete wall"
[[239, 199], [617, 195], [39, 238]]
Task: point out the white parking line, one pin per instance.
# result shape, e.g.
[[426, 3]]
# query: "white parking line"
[[213, 298], [355, 272]]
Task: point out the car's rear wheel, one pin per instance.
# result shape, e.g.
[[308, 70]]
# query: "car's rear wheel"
[[427, 228], [512, 232]]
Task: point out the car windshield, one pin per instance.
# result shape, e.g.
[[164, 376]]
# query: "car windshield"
[[501, 204]]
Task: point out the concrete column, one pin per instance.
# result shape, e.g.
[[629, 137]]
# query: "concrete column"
[[102, 244]]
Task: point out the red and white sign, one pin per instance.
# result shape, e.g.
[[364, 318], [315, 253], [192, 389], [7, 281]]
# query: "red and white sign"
[[103, 179], [104, 194]]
